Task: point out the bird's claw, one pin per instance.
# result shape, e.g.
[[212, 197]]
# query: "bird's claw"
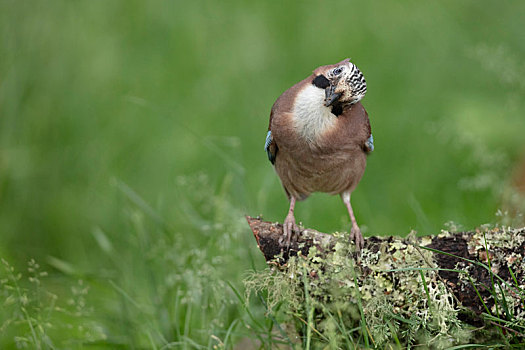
[[289, 226], [357, 237]]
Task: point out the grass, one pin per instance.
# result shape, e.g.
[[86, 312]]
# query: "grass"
[[131, 147]]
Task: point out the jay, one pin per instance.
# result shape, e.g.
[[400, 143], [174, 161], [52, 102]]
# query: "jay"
[[319, 138]]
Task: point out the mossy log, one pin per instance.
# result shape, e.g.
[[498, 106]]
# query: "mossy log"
[[470, 264]]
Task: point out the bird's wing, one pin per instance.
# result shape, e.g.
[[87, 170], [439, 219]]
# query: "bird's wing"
[[369, 144], [270, 147], [368, 147]]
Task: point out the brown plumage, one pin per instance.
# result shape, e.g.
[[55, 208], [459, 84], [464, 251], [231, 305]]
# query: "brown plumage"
[[320, 148]]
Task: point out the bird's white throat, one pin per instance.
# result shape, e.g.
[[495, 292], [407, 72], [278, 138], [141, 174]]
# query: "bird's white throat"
[[311, 117]]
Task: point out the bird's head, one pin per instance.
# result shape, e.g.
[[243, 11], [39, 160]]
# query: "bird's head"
[[343, 83]]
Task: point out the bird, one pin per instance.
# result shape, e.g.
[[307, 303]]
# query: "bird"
[[319, 137]]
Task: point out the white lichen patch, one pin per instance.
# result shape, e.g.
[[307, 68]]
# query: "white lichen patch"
[[497, 247], [499, 237], [405, 291]]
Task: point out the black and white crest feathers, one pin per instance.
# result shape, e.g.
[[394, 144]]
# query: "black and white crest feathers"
[[357, 81]]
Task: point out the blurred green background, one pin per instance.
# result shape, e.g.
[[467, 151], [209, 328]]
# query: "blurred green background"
[[131, 138]]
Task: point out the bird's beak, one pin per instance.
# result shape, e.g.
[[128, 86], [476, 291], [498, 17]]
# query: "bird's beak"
[[331, 96]]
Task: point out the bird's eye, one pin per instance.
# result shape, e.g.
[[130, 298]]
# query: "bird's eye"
[[337, 71]]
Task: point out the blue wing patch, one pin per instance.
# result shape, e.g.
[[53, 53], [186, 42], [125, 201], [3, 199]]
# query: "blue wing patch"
[[268, 141], [270, 148], [369, 144]]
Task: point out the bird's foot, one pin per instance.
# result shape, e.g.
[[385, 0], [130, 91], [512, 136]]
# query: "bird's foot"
[[289, 226], [357, 237]]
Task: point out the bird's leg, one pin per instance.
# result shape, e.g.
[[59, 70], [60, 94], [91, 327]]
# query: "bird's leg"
[[355, 233], [289, 224]]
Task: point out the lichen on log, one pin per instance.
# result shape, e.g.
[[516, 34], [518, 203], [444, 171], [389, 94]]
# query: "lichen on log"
[[437, 281]]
